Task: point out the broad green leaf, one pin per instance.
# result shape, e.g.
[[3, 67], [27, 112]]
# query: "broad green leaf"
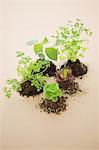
[[51, 53], [38, 48]]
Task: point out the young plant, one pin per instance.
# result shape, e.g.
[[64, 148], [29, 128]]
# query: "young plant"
[[24, 68], [33, 71], [28, 70], [40, 49], [38, 81], [70, 40], [12, 85], [63, 75], [27, 67], [52, 92], [40, 66]]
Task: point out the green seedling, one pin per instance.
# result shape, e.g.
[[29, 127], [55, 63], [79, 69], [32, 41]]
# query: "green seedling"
[[28, 70], [27, 67], [12, 85], [71, 41], [52, 92]]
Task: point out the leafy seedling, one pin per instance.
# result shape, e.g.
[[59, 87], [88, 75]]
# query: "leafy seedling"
[[39, 48], [33, 71], [38, 81], [28, 70], [52, 92], [27, 67], [12, 86], [63, 75], [70, 40]]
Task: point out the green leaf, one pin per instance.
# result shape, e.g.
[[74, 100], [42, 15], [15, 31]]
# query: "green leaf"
[[54, 99], [9, 81], [51, 53], [78, 19], [38, 81], [64, 73], [81, 55], [90, 33], [41, 56], [45, 41], [69, 39], [29, 43], [52, 91], [8, 93], [38, 48], [19, 53], [5, 89]]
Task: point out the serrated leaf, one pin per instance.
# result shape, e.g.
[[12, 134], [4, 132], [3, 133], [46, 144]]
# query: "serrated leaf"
[[51, 53], [38, 48], [19, 53], [8, 93]]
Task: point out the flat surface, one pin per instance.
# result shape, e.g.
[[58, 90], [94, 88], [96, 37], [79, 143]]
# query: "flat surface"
[[21, 125]]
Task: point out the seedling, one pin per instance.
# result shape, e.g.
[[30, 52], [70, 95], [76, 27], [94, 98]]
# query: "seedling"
[[38, 81], [52, 92], [40, 49], [12, 85], [70, 41], [27, 67], [64, 74], [28, 70]]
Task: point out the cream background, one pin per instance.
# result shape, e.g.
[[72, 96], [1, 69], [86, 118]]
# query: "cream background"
[[21, 125]]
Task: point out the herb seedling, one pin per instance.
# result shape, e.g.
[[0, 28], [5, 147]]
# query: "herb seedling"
[[52, 92], [70, 41], [12, 85], [28, 70], [33, 71], [38, 81], [27, 67]]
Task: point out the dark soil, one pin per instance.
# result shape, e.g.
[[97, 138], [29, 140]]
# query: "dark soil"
[[70, 87], [78, 68], [51, 71], [28, 90], [54, 107]]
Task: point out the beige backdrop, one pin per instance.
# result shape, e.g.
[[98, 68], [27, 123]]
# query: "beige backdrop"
[[21, 125]]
